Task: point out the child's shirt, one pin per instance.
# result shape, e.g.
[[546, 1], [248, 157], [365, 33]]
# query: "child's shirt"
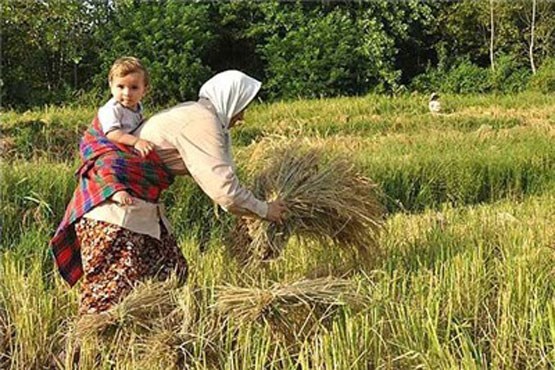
[[113, 115]]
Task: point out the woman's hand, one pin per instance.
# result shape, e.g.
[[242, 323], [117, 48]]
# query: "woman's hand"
[[143, 147], [276, 211]]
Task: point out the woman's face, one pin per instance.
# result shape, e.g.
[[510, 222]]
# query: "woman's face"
[[236, 118]]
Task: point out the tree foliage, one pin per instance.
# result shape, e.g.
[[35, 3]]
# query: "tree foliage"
[[54, 49], [43, 46], [171, 38]]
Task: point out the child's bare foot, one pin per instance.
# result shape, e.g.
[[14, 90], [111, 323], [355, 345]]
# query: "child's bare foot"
[[122, 197]]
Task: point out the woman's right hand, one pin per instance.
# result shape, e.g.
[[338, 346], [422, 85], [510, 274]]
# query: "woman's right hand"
[[276, 211]]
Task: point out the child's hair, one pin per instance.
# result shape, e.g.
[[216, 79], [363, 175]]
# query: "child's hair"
[[126, 65]]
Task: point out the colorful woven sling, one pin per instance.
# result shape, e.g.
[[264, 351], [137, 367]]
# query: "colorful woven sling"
[[106, 168]]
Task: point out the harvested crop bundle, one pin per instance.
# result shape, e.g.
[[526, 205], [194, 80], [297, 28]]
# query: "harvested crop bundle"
[[147, 305], [292, 310], [328, 201], [159, 322]]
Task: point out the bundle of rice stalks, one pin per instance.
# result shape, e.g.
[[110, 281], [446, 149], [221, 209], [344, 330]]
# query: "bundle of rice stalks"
[[292, 310], [157, 323], [186, 338], [144, 307], [328, 201]]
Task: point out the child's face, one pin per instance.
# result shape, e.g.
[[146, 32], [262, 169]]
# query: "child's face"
[[129, 90]]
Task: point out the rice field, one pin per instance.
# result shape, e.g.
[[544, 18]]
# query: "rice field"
[[463, 278]]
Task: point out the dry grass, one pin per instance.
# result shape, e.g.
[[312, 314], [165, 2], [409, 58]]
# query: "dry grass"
[[6, 334], [139, 311], [328, 201], [160, 323], [293, 311], [157, 323]]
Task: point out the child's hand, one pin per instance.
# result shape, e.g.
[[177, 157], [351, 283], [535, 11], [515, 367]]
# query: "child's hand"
[[143, 147]]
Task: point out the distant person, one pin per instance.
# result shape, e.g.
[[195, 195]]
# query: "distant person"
[[123, 113], [113, 247], [434, 105]]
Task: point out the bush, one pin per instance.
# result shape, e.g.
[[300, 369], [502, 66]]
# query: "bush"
[[463, 78], [466, 77], [171, 41], [427, 81], [544, 79], [509, 76]]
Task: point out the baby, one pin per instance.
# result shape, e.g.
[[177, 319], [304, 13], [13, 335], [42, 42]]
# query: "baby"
[[123, 113]]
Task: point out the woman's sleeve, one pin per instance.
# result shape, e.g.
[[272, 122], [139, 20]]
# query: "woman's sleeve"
[[202, 147]]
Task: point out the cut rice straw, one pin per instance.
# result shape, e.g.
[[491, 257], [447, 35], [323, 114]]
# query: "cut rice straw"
[[145, 306], [251, 304], [294, 312], [328, 201]]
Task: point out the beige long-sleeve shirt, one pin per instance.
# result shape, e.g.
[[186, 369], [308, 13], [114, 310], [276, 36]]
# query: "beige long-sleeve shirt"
[[190, 139]]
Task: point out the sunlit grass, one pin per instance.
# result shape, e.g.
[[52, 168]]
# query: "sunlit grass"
[[460, 285], [464, 280]]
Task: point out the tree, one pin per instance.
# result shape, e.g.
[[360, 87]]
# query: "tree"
[[492, 35], [313, 49], [43, 46], [170, 37], [526, 30], [236, 29], [463, 30], [532, 25]]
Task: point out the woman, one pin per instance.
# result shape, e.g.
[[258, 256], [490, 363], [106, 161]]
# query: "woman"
[[115, 246]]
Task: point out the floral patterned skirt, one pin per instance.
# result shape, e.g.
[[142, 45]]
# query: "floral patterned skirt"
[[116, 259]]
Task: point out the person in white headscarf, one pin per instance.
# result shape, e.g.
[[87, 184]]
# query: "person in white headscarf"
[[434, 104], [121, 245], [230, 92], [193, 138]]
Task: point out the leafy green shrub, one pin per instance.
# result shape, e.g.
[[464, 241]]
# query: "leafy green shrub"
[[544, 79], [315, 54], [430, 80], [509, 76], [466, 78]]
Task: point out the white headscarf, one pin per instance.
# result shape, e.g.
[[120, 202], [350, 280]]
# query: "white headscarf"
[[230, 92]]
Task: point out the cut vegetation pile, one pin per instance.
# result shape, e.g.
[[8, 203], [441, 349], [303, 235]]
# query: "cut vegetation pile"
[[158, 322], [328, 201], [163, 323], [291, 310]]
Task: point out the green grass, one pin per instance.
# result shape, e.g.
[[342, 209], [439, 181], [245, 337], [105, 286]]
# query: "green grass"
[[53, 132], [413, 172], [465, 285], [465, 280]]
